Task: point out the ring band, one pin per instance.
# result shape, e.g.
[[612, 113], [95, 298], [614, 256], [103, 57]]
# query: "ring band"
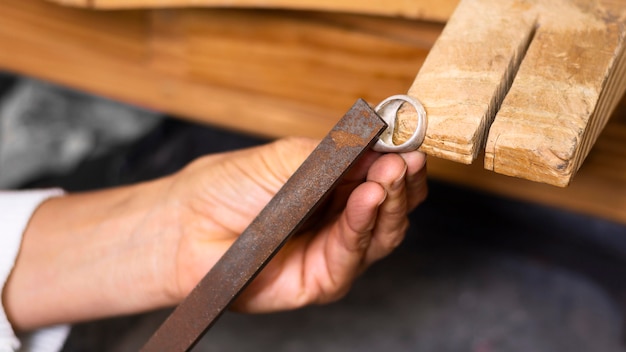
[[388, 111]]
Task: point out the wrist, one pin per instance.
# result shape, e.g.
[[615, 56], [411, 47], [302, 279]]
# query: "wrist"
[[91, 255]]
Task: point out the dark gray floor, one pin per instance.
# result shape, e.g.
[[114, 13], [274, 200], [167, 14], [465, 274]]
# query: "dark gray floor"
[[476, 273]]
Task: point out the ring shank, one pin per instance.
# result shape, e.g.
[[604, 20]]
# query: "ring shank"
[[388, 111]]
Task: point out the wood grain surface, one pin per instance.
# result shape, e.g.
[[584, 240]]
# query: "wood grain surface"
[[532, 83], [270, 73], [432, 10], [467, 73], [570, 81]]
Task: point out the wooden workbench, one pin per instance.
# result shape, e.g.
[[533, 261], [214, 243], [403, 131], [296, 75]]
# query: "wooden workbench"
[[272, 73]]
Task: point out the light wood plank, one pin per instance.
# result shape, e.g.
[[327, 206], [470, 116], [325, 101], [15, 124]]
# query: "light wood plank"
[[292, 71], [432, 10]]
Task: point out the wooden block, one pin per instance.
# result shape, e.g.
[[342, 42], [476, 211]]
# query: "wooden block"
[[466, 74], [563, 61], [570, 81], [432, 10]]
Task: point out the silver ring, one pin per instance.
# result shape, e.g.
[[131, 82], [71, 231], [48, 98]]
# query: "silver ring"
[[388, 111]]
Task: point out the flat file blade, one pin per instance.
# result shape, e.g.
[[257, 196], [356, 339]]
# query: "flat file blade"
[[282, 216]]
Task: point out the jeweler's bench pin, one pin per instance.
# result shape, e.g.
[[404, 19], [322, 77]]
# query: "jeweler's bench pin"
[[388, 111]]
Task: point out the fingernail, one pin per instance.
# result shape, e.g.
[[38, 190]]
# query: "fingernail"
[[400, 181], [383, 200]]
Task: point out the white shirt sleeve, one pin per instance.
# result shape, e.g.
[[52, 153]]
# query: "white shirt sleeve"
[[16, 208]]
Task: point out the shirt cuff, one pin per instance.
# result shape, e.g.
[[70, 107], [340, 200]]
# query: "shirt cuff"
[[16, 209]]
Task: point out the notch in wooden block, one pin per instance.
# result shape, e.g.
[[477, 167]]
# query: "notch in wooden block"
[[571, 75], [467, 74], [567, 87]]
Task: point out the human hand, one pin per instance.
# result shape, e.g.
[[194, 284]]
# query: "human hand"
[[136, 248], [365, 219]]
